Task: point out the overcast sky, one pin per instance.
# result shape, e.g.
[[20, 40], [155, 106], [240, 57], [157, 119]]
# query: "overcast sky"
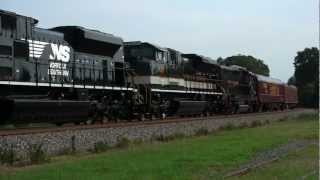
[[270, 30]]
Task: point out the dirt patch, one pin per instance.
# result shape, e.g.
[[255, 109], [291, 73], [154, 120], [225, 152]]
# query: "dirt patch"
[[266, 157]]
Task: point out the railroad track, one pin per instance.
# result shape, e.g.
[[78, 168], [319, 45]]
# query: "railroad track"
[[5, 131]]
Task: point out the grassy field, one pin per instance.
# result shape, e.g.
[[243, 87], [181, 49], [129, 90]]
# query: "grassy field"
[[204, 157]]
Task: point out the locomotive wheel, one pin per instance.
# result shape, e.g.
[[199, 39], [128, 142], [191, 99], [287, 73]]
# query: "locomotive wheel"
[[286, 107], [234, 110], [105, 120], [59, 124], [141, 117], [89, 121], [116, 120], [163, 116], [152, 117]]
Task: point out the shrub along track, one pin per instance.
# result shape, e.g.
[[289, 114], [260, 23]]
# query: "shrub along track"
[[48, 128]]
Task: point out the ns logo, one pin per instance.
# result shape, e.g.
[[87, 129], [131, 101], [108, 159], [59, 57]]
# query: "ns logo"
[[60, 53]]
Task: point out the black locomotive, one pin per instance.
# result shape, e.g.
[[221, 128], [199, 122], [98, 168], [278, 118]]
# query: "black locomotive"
[[71, 73]]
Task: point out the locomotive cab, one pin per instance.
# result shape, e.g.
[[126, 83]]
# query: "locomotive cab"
[[13, 28], [199, 65], [175, 63], [240, 89], [145, 58]]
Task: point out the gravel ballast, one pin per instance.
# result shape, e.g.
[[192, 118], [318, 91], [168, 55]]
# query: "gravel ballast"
[[57, 142]]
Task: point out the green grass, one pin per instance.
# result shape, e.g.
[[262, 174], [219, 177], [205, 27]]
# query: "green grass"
[[203, 157]]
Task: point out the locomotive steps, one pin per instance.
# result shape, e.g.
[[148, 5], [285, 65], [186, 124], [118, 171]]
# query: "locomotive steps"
[[83, 138]]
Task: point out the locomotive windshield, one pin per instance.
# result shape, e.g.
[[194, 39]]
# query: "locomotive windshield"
[[21, 49], [8, 22], [160, 57]]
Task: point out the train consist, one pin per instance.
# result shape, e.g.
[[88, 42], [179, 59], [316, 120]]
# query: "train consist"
[[74, 74]]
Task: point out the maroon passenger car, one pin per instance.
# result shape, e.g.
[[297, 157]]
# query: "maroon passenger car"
[[273, 94]]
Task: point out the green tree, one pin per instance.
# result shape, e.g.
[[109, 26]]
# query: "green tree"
[[291, 81], [220, 60], [306, 74], [251, 63]]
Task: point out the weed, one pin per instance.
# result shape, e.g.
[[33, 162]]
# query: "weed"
[[179, 136], [243, 125], [228, 126], [255, 123], [100, 147], [283, 119], [163, 138], [66, 151], [308, 116], [202, 132], [138, 141], [73, 144], [267, 121]]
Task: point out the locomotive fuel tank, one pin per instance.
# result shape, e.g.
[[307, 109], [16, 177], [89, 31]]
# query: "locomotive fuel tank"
[[187, 107], [25, 111]]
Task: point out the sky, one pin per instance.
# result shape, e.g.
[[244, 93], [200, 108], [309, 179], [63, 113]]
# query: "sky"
[[270, 30]]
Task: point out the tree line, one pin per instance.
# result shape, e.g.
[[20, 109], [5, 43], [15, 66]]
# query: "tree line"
[[306, 77]]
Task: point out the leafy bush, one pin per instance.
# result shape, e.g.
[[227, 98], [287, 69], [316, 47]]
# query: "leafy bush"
[[123, 143], [36, 154], [100, 147]]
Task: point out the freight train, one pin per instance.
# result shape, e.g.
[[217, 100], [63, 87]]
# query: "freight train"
[[72, 74]]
